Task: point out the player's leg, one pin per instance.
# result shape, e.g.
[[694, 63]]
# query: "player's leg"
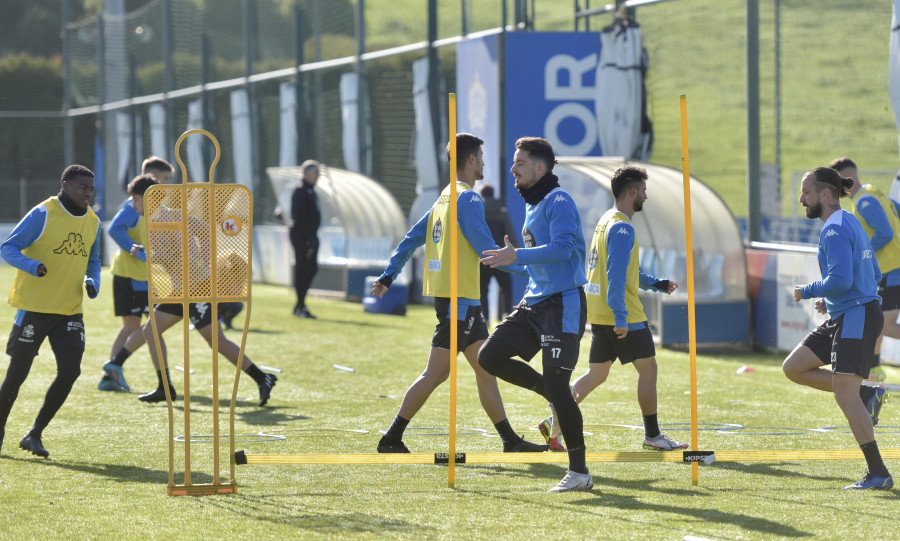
[[890, 307], [130, 324], [891, 327], [513, 337], [807, 364], [857, 329], [166, 316], [67, 341], [489, 391], [655, 440], [437, 370], [130, 302], [113, 374], [559, 320], [201, 317], [28, 332], [846, 394], [590, 380]]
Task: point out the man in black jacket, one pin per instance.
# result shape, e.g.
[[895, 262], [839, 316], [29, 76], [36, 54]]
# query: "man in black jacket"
[[305, 218]]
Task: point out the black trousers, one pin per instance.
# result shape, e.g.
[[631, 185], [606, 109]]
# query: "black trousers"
[[504, 284], [306, 253]]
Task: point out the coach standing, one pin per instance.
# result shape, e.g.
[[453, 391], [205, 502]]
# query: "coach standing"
[[55, 248], [306, 218]]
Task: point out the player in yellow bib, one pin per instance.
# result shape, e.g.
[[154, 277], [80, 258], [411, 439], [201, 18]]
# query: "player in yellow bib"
[[433, 230], [129, 269], [55, 249], [619, 326]]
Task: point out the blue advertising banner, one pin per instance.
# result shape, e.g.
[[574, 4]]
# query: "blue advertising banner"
[[549, 84]]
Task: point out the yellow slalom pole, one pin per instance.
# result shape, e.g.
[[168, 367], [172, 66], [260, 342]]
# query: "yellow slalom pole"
[[454, 293], [689, 257]]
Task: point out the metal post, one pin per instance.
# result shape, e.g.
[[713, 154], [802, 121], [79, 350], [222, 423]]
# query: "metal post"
[[464, 17], [136, 151], [300, 87], [317, 56], [249, 58], [434, 99], [501, 67], [577, 9], [361, 119], [68, 121], [587, 20], [205, 105], [168, 77], [754, 210], [778, 96]]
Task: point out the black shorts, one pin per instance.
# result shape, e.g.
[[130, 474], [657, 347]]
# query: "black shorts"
[[128, 301], [200, 313], [471, 329], [848, 342], [66, 333], [606, 345], [553, 326], [890, 295]]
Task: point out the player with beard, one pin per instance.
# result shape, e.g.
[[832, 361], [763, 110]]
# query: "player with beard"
[[848, 292], [619, 326], [551, 316]]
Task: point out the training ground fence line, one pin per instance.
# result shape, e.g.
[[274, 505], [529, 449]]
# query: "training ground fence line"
[[706, 457]]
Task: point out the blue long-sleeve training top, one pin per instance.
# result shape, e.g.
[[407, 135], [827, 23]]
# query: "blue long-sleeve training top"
[[28, 230], [850, 272], [875, 215], [470, 212], [553, 252], [127, 218], [619, 247]]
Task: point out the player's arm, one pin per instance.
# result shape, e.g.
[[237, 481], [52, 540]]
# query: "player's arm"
[[648, 282], [28, 230], [873, 213], [414, 238], [92, 274], [619, 246], [838, 267], [124, 220], [563, 219], [470, 209]]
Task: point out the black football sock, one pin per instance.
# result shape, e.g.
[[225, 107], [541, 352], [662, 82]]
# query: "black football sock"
[[507, 434], [254, 372], [160, 380], [395, 432], [873, 459], [120, 357], [651, 426], [866, 393]]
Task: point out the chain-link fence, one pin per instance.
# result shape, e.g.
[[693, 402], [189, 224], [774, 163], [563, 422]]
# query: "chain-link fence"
[[823, 86]]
